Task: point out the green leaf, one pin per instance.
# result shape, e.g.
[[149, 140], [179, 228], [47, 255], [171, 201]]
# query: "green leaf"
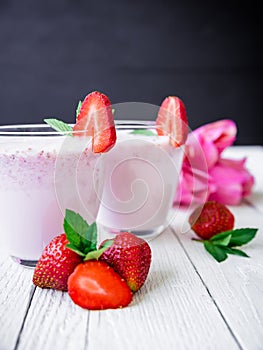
[[90, 238], [113, 111], [95, 254], [75, 249], [242, 236], [222, 238], [199, 240], [75, 228], [145, 132], [59, 126], [78, 108], [107, 243], [235, 251], [217, 252]]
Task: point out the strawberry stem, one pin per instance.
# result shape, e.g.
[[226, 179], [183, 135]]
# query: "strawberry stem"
[[198, 240]]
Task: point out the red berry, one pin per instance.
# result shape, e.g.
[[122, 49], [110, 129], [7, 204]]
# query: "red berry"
[[172, 120], [56, 264], [210, 219], [94, 285], [95, 119], [130, 256]]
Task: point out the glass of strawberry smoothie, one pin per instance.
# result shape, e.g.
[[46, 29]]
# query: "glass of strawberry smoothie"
[[141, 177], [42, 173]]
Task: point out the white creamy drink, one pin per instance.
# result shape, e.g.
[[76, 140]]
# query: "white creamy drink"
[[141, 177], [40, 177]]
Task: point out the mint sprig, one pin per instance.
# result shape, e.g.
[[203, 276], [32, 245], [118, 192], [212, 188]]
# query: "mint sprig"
[[82, 237], [59, 126], [144, 132], [78, 108], [224, 243], [62, 127]]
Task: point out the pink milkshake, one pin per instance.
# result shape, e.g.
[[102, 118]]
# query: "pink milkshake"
[[41, 174], [141, 177]]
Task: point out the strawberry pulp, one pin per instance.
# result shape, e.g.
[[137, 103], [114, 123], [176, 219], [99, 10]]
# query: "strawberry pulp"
[[172, 120], [95, 119]]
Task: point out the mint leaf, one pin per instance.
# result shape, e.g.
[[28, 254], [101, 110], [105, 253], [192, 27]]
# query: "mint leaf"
[[59, 126], [90, 238], [235, 251], [82, 237], [217, 252], [145, 132], [242, 236], [78, 108], [107, 243], [221, 238], [222, 243], [75, 249], [76, 229], [95, 254]]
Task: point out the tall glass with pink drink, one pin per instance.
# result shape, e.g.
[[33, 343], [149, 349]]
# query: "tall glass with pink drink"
[[141, 177], [43, 172]]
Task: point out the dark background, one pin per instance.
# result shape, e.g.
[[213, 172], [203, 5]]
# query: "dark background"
[[53, 52]]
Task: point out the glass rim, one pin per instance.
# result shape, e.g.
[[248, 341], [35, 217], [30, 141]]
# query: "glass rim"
[[30, 130], [135, 124], [46, 130], [35, 130]]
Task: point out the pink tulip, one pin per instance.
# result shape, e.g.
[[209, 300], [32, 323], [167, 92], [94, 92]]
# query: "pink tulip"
[[232, 181], [213, 139], [205, 174]]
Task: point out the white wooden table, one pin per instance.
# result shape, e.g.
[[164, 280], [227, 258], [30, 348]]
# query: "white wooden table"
[[188, 302]]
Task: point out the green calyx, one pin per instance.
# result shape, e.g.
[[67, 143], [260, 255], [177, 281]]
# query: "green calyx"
[[224, 243], [82, 237]]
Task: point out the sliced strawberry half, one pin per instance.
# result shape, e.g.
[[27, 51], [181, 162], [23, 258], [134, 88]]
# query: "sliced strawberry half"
[[94, 285], [95, 119], [172, 120]]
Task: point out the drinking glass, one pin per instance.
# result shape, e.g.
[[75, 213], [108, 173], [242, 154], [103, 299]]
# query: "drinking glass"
[[141, 177], [43, 173]]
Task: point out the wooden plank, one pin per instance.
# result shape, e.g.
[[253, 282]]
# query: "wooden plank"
[[189, 301], [236, 285], [15, 295], [172, 311], [54, 322]]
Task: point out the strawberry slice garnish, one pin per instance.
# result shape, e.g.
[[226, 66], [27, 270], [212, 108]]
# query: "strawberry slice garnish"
[[172, 120], [95, 119], [94, 285]]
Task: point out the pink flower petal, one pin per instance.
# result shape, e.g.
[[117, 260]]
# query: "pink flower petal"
[[233, 181], [205, 175], [198, 151], [221, 133]]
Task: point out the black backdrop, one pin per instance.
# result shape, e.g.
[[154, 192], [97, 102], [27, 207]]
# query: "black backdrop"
[[53, 52]]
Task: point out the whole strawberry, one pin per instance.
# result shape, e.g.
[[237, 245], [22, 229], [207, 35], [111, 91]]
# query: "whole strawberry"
[[210, 219], [56, 264], [66, 251], [130, 257]]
